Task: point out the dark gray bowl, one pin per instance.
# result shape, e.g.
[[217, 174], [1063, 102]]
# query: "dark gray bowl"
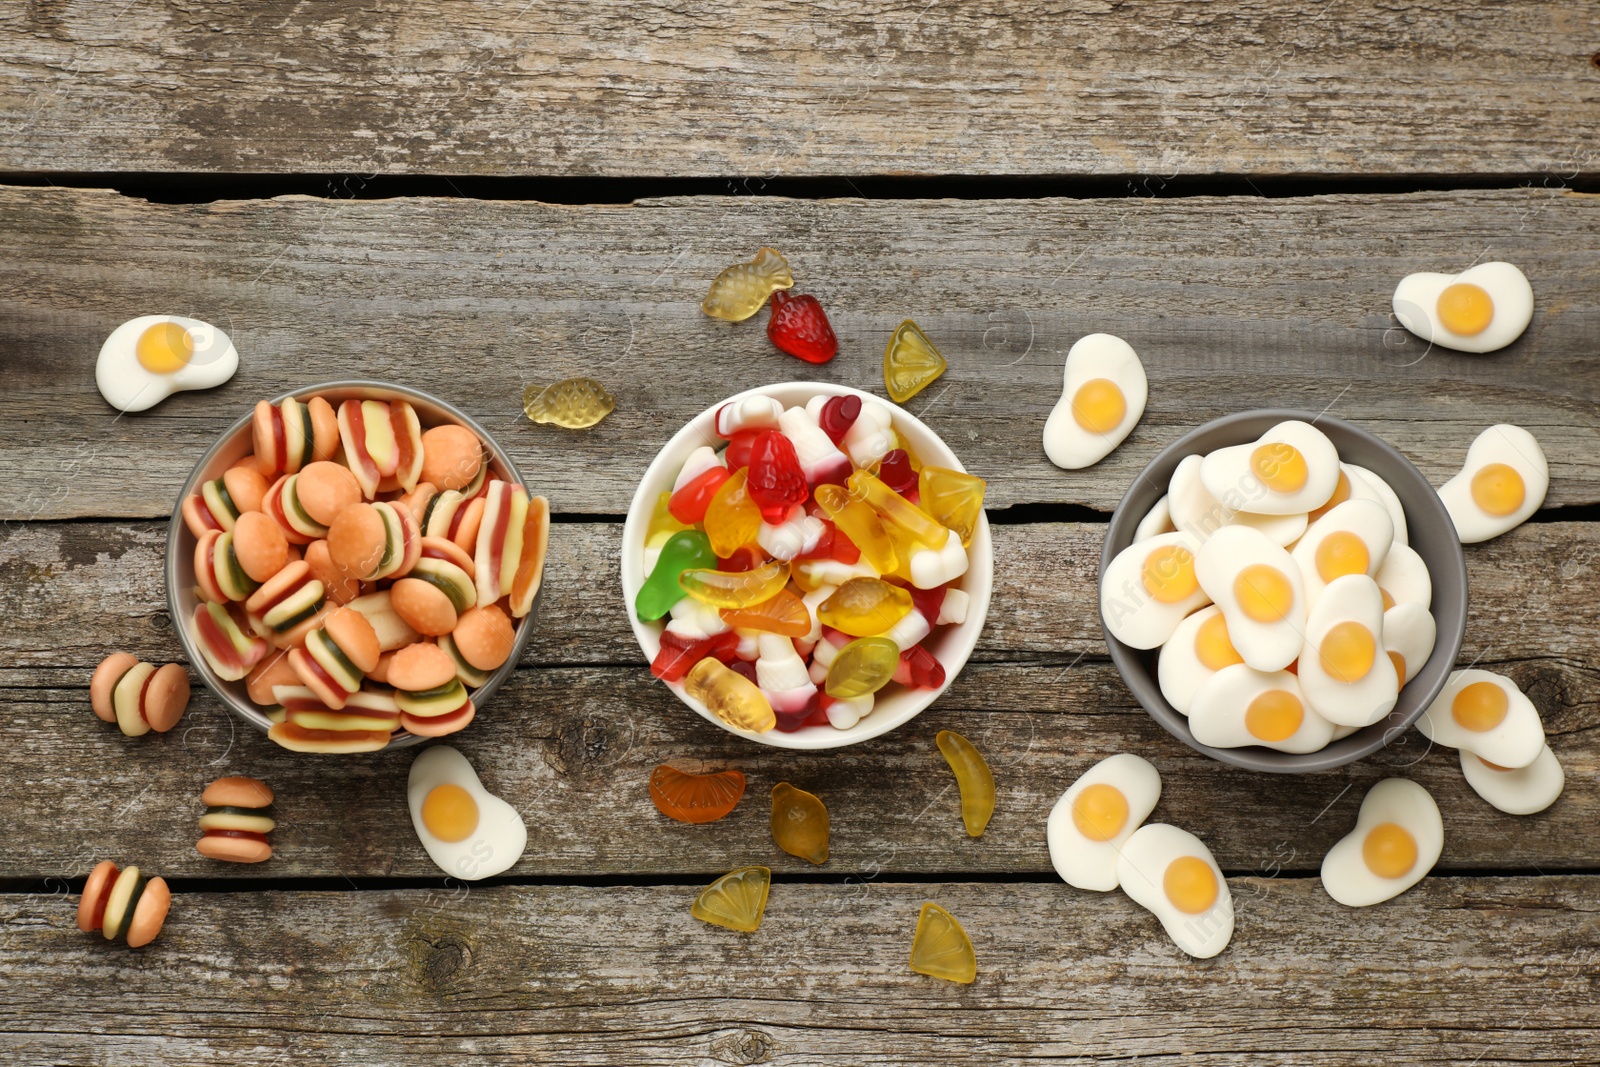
[[1431, 534]]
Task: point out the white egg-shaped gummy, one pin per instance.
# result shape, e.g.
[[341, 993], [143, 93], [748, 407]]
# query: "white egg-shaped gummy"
[[1385, 493], [1158, 520], [1404, 578], [147, 359], [1345, 673], [1095, 817], [1396, 841], [1482, 309], [1350, 538], [1238, 706], [1196, 512], [1409, 633], [1171, 873], [1259, 589], [1501, 484], [1148, 588], [1103, 395], [1198, 648], [1516, 790], [1291, 469], [1486, 714]]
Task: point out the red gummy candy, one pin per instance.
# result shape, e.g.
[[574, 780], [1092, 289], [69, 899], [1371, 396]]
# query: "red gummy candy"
[[688, 505], [844, 549], [744, 667], [776, 482], [929, 601], [744, 558], [800, 327], [739, 445], [919, 669], [839, 413], [894, 470], [790, 721], [678, 653], [823, 549]]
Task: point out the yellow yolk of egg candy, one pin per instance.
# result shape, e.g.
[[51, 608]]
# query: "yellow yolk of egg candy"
[[1274, 715], [1342, 553], [1341, 493], [1348, 652], [1480, 706], [1389, 851], [165, 348], [1099, 406], [450, 813], [1498, 489], [1212, 646], [1190, 884], [1465, 309], [1169, 574], [1263, 592], [1399, 662], [1280, 466], [1100, 812]]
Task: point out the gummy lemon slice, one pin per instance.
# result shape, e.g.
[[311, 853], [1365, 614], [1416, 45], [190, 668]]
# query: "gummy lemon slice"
[[736, 901], [910, 362], [941, 949]]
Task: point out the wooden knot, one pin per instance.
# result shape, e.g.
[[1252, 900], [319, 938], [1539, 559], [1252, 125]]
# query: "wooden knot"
[[743, 1047], [445, 958]]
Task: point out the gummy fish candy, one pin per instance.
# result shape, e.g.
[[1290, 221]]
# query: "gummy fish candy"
[[864, 607], [863, 666], [973, 777], [729, 696], [736, 901], [735, 589], [941, 949], [695, 798], [684, 550], [738, 292], [800, 823], [576, 403], [910, 362]]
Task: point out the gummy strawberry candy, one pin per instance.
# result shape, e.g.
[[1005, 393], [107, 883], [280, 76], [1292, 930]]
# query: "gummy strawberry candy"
[[838, 415], [800, 327], [776, 482]]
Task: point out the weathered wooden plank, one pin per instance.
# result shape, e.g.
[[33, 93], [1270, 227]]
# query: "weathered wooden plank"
[[1040, 88], [1233, 303], [613, 975]]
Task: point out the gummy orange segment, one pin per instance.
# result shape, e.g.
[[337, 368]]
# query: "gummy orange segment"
[[941, 949], [695, 798], [735, 901], [800, 823], [784, 614], [973, 777]]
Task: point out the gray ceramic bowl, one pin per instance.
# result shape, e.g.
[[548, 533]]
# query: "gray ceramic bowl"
[[236, 442], [1431, 534]]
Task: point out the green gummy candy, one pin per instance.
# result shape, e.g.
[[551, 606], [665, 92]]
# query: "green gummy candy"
[[683, 550]]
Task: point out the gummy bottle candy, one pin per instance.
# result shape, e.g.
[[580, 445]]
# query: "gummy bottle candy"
[[895, 471], [910, 362], [740, 290], [688, 504], [800, 328], [695, 798], [679, 653], [897, 509], [732, 518], [973, 777], [919, 669], [783, 676], [784, 614], [865, 607], [941, 949], [776, 481], [684, 550], [800, 823], [736, 901], [838, 414], [730, 697], [735, 589], [861, 525], [573, 403], [863, 666], [954, 498]]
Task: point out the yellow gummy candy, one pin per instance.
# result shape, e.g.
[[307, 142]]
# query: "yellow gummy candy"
[[730, 696], [800, 823], [864, 607], [736, 589], [663, 523], [575, 403], [863, 666], [897, 509], [910, 362], [738, 292], [954, 498], [732, 518], [973, 777], [736, 901], [861, 524], [941, 949]]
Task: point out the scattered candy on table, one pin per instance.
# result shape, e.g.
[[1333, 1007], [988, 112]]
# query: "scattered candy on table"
[[740, 290], [137, 696], [123, 904], [147, 359], [800, 328], [736, 901], [1102, 397], [1501, 484], [910, 362], [800, 823], [1171, 873], [695, 798], [468, 831], [941, 948], [1095, 817], [1482, 309], [236, 820], [1396, 841], [572, 403], [973, 778]]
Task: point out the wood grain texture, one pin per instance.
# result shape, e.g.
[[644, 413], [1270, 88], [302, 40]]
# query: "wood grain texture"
[[1040, 88], [625, 975], [1233, 303]]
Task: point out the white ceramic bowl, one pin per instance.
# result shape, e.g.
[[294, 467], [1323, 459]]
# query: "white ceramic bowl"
[[952, 644]]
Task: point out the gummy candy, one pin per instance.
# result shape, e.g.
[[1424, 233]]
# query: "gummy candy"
[[871, 435], [688, 505], [679, 653], [746, 670], [895, 471], [974, 778], [575, 403], [735, 901], [810, 714], [800, 327], [796, 534], [954, 498], [838, 414], [863, 666], [737, 453], [684, 550], [740, 290], [860, 523], [732, 519], [663, 523], [776, 482], [910, 362], [782, 675], [941, 949], [783, 614], [731, 698], [895, 508], [735, 589], [929, 602], [864, 607], [695, 798], [759, 412], [799, 823], [919, 669], [931, 567], [744, 558], [819, 457]]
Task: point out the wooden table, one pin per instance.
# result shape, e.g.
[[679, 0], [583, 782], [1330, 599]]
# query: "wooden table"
[[506, 193]]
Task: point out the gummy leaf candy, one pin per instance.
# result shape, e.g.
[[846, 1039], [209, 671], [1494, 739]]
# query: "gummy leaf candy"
[[732, 519], [775, 481], [695, 798], [799, 823], [575, 403], [898, 510], [864, 607], [800, 328], [679, 653], [735, 589], [894, 470], [941, 949], [863, 666], [688, 505], [919, 669], [861, 525], [973, 776], [684, 550], [955, 498], [839, 413], [730, 697], [784, 614], [738, 292], [736, 901], [910, 362]]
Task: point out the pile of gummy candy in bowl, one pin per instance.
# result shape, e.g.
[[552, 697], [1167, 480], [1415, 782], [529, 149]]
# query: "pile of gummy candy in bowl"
[[806, 565]]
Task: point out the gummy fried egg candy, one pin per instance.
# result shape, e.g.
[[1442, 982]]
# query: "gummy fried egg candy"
[[147, 359], [1198, 649], [1344, 671], [1486, 714], [1403, 578], [1149, 587], [1095, 817], [1259, 589], [1516, 790], [469, 832], [1397, 840], [1409, 633], [1501, 484], [1292, 468], [1351, 538], [1197, 513], [1238, 706], [1482, 309], [1103, 395], [1170, 872], [1363, 481]]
